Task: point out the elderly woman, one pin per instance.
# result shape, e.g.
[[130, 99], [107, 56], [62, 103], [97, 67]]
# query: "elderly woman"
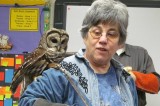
[[99, 79]]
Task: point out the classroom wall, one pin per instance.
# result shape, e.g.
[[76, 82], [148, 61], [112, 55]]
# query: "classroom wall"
[[23, 41]]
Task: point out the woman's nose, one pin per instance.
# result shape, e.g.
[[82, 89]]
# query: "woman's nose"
[[103, 38]]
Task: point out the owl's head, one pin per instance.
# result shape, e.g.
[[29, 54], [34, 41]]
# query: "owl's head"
[[55, 40]]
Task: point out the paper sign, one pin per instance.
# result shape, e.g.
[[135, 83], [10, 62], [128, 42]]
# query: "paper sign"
[[7, 95], [1, 76], [1, 103], [1, 97], [2, 90], [7, 61], [8, 75], [8, 102], [7, 88], [24, 19], [18, 61]]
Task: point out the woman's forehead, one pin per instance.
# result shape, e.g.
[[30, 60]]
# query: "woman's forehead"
[[109, 22], [104, 23]]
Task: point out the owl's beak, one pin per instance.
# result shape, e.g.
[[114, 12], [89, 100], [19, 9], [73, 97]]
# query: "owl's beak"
[[58, 48]]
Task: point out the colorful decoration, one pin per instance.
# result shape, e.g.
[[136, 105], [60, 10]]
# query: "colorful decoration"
[[8, 64], [4, 43]]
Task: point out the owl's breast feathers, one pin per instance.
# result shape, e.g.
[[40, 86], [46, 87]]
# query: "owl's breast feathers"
[[33, 66]]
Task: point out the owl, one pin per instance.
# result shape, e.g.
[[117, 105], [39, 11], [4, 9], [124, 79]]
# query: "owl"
[[50, 51]]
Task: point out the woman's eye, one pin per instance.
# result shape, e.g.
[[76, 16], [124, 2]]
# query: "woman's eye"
[[98, 33], [112, 34]]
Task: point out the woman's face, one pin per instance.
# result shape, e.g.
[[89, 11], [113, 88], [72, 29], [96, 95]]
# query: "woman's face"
[[101, 43]]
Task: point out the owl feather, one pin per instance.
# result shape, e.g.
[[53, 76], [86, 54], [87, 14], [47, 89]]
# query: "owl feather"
[[51, 50]]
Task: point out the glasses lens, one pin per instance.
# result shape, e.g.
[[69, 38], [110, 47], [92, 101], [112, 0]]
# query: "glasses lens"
[[112, 35], [96, 34]]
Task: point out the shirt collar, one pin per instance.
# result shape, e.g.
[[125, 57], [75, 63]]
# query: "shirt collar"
[[80, 53], [124, 50], [120, 51]]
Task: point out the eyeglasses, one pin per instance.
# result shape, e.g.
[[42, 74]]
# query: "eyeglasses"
[[97, 33]]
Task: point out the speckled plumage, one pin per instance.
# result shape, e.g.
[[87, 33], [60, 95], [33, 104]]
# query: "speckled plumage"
[[51, 50]]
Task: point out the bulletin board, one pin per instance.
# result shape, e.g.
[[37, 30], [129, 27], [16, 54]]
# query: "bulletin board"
[[8, 65], [24, 39], [26, 36]]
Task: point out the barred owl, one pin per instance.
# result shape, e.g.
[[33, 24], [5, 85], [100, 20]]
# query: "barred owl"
[[50, 51]]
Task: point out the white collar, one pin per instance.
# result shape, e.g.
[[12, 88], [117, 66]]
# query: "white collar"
[[120, 51]]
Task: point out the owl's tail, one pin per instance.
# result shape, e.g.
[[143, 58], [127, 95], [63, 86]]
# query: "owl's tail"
[[17, 79]]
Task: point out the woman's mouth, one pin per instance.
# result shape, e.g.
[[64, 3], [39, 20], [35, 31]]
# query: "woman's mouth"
[[102, 49]]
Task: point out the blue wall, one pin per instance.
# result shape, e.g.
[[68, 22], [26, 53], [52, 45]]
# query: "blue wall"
[[21, 40]]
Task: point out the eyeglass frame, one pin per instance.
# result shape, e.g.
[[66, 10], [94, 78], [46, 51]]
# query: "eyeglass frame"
[[110, 36]]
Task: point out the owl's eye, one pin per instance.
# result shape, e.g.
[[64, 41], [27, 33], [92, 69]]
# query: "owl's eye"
[[54, 40], [63, 41]]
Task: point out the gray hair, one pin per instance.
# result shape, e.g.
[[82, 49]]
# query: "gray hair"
[[106, 11]]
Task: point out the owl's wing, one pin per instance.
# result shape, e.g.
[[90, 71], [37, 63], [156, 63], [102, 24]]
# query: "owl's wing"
[[33, 66]]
